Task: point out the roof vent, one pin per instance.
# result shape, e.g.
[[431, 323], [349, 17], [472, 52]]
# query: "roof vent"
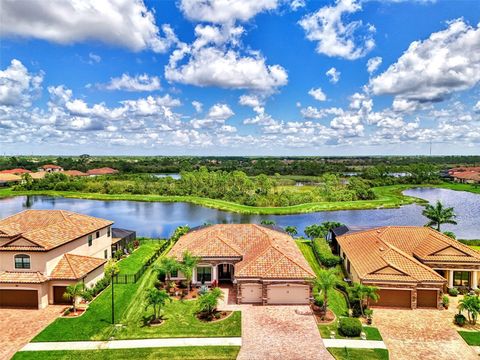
[[379, 231], [382, 248]]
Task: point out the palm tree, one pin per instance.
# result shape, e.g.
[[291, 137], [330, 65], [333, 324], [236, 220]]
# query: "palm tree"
[[291, 230], [72, 292], [324, 282], [358, 292], [156, 299], [208, 302], [189, 262], [438, 214], [313, 231], [472, 305], [167, 266], [371, 294]]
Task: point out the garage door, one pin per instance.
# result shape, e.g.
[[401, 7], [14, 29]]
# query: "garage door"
[[394, 298], [58, 292], [19, 298], [427, 298], [251, 293], [288, 294]]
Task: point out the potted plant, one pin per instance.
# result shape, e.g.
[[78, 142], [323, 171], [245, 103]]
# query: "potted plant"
[[453, 292], [460, 320], [445, 301], [369, 315]]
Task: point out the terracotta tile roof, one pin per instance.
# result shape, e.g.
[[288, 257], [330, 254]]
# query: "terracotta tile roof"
[[46, 229], [9, 177], [102, 171], [467, 175], [22, 277], [75, 267], [263, 252], [74, 173], [17, 171], [38, 175]]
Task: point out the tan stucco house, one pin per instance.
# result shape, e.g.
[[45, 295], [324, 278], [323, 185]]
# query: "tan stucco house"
[[43, 251], [264, 265], [412, 266]]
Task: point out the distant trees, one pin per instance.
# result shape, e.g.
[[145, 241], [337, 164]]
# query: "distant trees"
[[438, 214], [291, 230]]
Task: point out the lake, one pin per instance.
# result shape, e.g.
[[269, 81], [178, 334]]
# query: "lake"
[[156, 219]]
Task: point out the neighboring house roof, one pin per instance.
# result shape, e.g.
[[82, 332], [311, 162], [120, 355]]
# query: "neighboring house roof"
[[43, 230], [467, 175], [75, 267], [15, 171], [22, 277], [120, 234], [263, 252], [102, 171], [400, 253], [50, 166], [38, 175], [74, 173], [9, 177]]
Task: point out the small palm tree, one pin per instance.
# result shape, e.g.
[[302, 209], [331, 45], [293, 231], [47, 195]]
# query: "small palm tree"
[[167, 266], [208, 302], [156, 299], [72, 292], [438, 214], [324, 282], [291, 230], [358, 292], [471, 304], [189, 262], [371, 294]]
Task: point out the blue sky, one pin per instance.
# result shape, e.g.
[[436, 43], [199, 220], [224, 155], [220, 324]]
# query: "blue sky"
[[232, 77]]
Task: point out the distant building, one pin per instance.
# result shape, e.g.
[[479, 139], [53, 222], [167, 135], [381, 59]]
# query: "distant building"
[[74, 173], [9, 179], [17, 171], [102, 171], [50, 168], [467, 175]]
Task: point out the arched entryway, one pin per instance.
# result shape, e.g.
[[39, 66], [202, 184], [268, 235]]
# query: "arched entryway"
[[225, 273]]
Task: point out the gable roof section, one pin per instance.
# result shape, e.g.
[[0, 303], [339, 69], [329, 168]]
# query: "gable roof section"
[[74, 267], [264, 252], [22, 277], [46, 229]]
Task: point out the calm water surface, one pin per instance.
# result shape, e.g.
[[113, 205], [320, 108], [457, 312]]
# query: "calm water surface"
[[160, 219]]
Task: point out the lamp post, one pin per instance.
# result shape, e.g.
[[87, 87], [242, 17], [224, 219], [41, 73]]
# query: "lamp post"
[[111, 269], [113, 297]]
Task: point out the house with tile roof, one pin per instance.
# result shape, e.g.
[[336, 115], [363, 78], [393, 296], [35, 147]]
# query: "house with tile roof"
[[264, 265], [50, 168], [44, 251], [412, 266]]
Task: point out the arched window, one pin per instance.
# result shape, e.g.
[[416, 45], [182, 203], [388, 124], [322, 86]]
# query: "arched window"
[[22, 261]]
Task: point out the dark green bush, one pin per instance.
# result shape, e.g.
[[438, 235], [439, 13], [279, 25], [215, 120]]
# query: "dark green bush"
[[460, 319], [350, 327], [453, 292], [324, 253], [317, 300]]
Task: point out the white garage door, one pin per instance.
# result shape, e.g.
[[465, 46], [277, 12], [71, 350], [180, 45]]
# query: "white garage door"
[[251, 293], [288, 294]]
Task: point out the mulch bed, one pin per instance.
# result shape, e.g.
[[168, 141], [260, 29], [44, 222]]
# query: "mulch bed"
[[80, 312], [327, 319], [223, 316]]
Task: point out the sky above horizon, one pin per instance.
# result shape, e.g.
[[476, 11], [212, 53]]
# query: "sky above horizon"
[[240, 77]]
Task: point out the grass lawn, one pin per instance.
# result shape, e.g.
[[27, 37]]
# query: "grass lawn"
[[475, 247], [139, 257], [336, 300], [173, 353], [472, 338], [371, 332], [358, 354]]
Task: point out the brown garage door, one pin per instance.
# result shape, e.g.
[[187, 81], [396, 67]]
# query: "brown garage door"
[[19, 298], [58, 292], [394, 298], [427, 298]]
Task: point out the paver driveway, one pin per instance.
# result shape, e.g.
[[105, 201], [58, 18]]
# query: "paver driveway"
[[19, 326], [280, 332], [421, 334]]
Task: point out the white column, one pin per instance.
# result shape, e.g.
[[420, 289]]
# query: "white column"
[[450, 278], [215, 272], [474, 279], [194, 276]]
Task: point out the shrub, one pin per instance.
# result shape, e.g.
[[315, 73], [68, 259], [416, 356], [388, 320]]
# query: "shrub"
[[356, 311], [453, 292], [324, 253], [318, 301], [350, 327], [66, 312], [445, 300], [87, 295], [460, 320]]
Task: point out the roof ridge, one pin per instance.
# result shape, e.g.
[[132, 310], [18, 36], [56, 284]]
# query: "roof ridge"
[[293, 260], [232, 246], [70, 264], [452, 242]]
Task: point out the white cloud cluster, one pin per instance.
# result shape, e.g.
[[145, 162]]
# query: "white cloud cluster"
[[125, 23], [373, 64], [317, 94], [220, 112], [333, 74], [143, 82], [432, 69], [17, 85], [197, 105], [351, 40]]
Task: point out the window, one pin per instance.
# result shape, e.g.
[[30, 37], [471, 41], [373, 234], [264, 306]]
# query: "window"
[[97, 235], [106, 254], [90, 240], [204, 274], [461, 278], [22, 261], [109, 231], [174, 273]]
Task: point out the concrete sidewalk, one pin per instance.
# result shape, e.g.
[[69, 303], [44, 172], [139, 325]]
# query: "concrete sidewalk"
[[132, 344], [354, 344]]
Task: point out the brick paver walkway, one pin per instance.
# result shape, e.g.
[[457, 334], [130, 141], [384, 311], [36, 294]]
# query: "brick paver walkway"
[[19, 326], [421, 334]]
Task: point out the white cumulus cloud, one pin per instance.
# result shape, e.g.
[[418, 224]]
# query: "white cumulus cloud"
[[317, 94], [333, 74], [373, 64], [220, 112], [17, 85], [141, 82]]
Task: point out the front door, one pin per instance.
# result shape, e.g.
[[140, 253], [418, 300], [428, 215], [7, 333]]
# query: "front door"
[[225, 272]]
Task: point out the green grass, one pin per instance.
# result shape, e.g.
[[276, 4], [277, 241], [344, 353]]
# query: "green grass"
[[172, 353], [336, 301], [358, 354], [472, 338], [139, 257], [371, 332]]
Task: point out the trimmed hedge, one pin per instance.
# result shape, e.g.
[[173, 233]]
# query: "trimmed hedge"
[[350, 327], [324, 253]]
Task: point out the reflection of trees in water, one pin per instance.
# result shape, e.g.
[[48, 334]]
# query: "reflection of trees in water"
[[29, 201]]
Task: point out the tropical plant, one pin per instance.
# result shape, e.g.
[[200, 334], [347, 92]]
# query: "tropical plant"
[[111, 269], [471, 304], [208, 302], [325, 282], [358, 293], [450, 234], [371, 294], [268, 222], [179, 232], [72, 292], [313, 231], [189, 262], [459, 319], [445, 301], [156, 299], [291, 230], [438, 215], [167, 266]]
